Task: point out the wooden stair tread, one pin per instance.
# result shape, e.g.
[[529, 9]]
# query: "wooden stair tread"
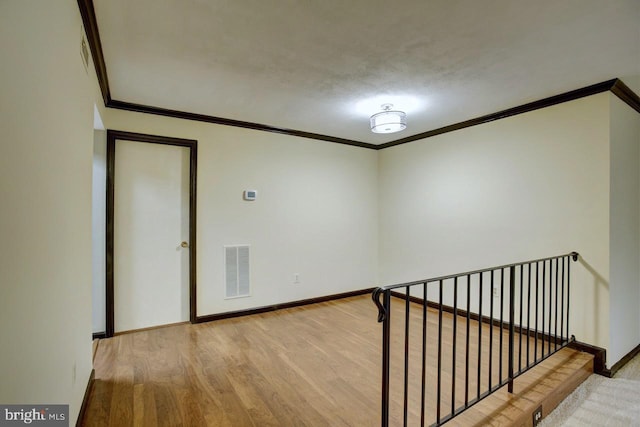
[[545, 385]]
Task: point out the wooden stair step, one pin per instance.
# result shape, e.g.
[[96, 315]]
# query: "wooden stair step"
[[545, 386]]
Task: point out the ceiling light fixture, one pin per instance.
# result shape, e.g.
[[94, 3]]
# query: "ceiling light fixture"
[[388, 120]]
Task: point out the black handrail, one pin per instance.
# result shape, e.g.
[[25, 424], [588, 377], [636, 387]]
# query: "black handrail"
[[549, 287], [574, 255]]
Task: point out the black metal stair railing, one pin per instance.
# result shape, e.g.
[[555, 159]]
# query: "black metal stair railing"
[[524, 306]]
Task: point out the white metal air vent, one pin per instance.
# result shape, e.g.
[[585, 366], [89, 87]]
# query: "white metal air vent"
[[84, 50], [236, 268]]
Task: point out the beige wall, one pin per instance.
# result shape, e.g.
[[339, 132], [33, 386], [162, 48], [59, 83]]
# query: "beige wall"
[[624, 229], [46, 116], [316, 212], [525, 187]]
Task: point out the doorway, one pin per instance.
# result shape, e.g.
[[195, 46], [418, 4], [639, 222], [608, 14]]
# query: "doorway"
[[150, 232]]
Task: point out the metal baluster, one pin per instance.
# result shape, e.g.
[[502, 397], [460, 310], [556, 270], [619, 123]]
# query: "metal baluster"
[[575, 258], [466, 363], [535, 343], [385, 317], [455, 338], [544, 296], [555, 325], [512, 288], [424, 352], [439, 355], [550, 303], [491, 333], [528, 310], [501, 320], [520, 325], [407, 307], [562, 305], [479, 337]]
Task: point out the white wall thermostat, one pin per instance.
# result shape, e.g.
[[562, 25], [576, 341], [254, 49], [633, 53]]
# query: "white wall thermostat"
[[249, 195]]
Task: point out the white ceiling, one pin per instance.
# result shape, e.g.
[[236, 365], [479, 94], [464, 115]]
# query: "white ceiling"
[[325, 66]]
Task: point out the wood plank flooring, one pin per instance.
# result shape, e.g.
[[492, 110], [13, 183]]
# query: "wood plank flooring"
[[317, 365]]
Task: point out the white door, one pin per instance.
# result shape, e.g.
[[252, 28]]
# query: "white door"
[[151, 222]]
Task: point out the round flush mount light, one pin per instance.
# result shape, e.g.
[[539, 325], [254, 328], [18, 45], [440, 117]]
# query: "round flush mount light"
[[388, 120]]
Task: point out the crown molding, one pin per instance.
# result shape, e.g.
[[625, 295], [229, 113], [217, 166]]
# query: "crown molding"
[[128, 106], [623, 92], [88, 14], [525, 108], [87, 11]]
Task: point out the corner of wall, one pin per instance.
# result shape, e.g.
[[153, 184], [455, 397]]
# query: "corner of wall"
[[624, 132]]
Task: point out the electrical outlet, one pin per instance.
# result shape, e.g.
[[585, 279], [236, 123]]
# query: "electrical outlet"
[[296, 278], [496, 294], [537, 416]]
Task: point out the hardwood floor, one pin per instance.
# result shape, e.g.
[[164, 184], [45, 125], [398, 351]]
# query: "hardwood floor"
[[317, 365]]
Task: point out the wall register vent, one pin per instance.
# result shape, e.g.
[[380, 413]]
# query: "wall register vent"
[[237, 277], [84, 50]]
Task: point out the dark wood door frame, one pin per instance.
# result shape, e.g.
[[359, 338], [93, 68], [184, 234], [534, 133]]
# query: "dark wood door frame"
[[112, 136]]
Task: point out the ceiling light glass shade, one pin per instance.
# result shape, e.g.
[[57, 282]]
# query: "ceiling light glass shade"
[[388, 121]]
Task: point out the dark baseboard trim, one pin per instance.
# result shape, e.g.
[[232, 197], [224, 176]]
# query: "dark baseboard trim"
[[599, 357], [626, 359], [98, 335], [85, 399], [448, 309], [484, 319], [600, 361], [274, 307], [599, 353]]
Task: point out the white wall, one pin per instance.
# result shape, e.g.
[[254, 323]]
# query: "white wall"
[[46, 116], [625, 229], [316, 212], [98, 227], [521, 188]]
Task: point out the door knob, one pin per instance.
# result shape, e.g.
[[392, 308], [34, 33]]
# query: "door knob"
[[184, 244]]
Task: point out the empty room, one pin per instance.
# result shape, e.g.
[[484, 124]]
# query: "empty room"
[[320, 213]]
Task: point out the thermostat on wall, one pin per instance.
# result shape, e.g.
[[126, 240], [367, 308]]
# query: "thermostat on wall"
[[249, 194]]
